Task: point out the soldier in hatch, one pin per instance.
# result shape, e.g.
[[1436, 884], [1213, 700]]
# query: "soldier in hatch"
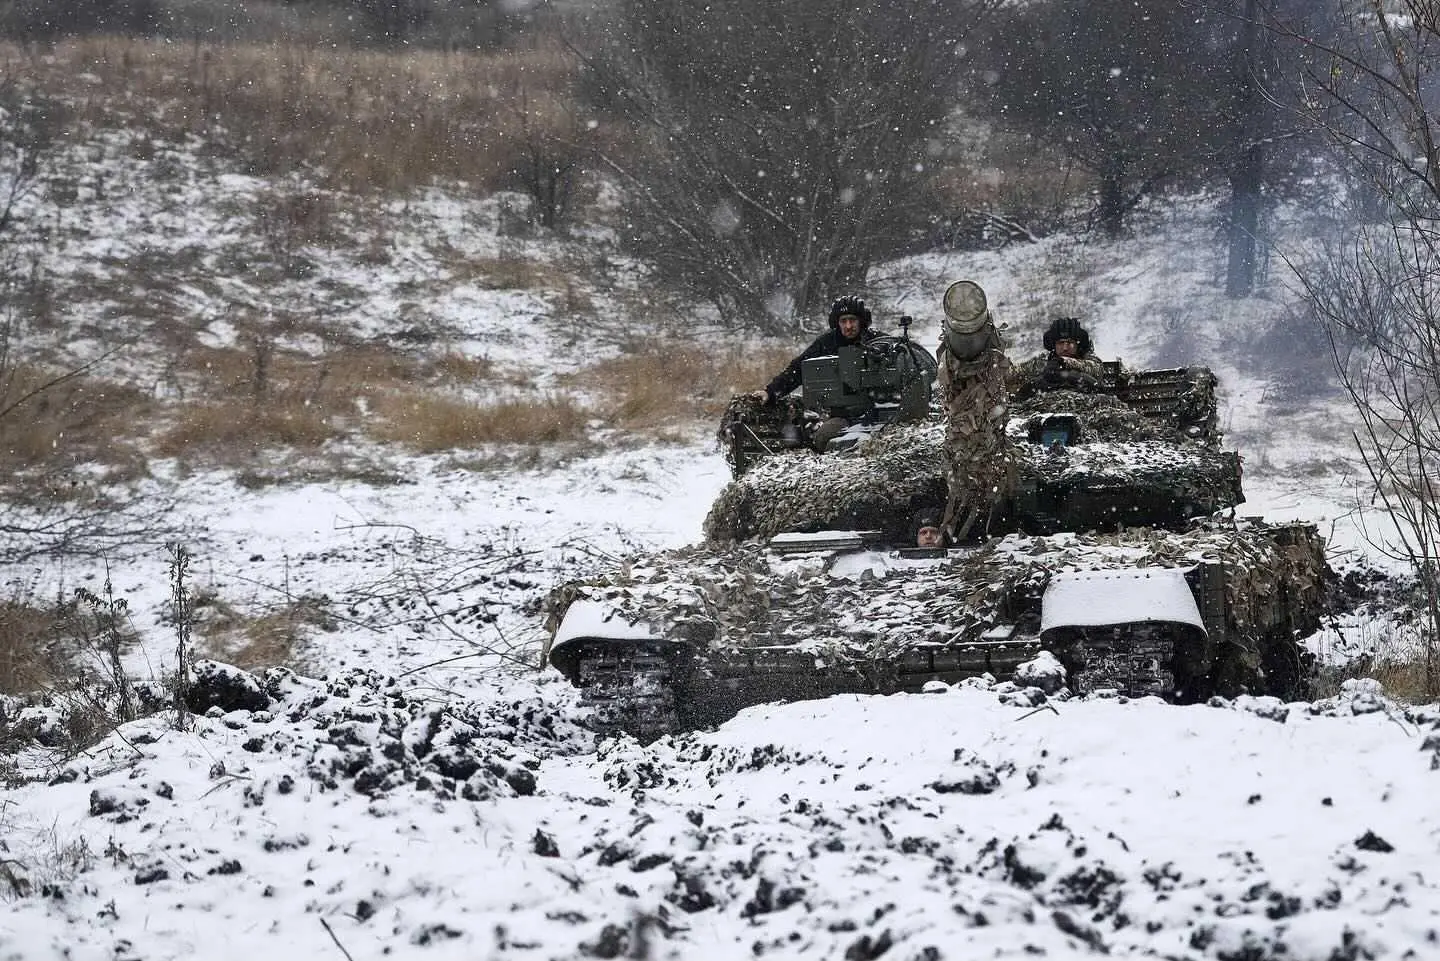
[[1068, 363], [849, 325], [928, 530]]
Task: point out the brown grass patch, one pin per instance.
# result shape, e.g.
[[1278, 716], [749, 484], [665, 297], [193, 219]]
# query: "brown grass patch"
[[383, 119], [662, 384], [51, 419], [508, 272], [457, 369], [25, 631], [331, 382], [238, 430], [429, 423], [252, 642], [242, 401], [1408, 680]]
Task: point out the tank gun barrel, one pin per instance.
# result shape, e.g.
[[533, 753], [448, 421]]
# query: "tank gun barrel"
[[969, 330]]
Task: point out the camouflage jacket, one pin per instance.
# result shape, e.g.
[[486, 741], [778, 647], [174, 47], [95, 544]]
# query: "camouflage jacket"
[[1048, 371]]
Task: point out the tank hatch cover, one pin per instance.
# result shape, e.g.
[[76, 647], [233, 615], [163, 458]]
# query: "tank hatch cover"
[[795, 542], [1118, 596]]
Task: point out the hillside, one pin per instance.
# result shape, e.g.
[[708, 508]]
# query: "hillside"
[[382, 427]]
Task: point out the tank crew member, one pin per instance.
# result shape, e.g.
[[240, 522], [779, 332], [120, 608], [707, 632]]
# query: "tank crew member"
[[1068, 363], [849, 324], [928, 530]]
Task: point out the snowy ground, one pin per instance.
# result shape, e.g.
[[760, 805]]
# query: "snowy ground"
[[430, 797]]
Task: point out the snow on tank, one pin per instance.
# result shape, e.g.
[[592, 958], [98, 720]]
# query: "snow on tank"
[[587, 618], [1118, 596]]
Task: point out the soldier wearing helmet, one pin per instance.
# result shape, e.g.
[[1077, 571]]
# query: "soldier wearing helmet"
[[1068, 363], [849, 325]]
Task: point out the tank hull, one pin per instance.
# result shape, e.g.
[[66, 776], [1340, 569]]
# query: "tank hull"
[[724, 627]]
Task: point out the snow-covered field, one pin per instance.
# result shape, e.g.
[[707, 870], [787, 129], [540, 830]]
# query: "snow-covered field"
[[428, 793]]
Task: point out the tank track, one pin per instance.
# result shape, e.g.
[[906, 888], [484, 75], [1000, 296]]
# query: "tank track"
[[628, 691], [1136, 669], [637, 690]]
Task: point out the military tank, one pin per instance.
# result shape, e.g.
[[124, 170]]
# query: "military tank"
[[1116, 549]]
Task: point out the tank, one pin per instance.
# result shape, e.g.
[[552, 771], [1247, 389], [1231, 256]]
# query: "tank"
[[1114, 549]]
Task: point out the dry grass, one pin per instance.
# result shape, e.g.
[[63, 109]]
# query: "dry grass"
[[1411, 681], [509, 273], [239, 402], [662, 384], [1399, 654], [53, 420], [389, 120], [1405, 676], [25, 631], [236, 404], [233, 431], [435, 422], [252, 642]]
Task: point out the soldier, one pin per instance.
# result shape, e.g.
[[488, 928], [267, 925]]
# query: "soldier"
[[849, 325], [1068, 363], [928, 529]]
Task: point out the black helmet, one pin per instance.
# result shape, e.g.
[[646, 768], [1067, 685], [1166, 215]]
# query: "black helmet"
[[923, 518], [849, 305], [1069, 328], [926, 517]]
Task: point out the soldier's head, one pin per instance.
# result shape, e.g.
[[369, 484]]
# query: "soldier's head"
[[1067, 337], [928, 532], [850, 317]]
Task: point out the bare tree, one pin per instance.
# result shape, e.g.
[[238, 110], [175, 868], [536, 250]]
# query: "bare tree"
[[549, 152], [782, 148], [1125, 88], [1261, 135], [1377, 290]]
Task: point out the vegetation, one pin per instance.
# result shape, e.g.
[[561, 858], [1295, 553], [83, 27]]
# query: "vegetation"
[[736, 163], [784, 149], [1373, 289]]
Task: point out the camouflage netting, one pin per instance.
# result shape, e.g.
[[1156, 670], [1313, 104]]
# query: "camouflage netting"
[[877, 485], [737, 596], [751, 427], [887, 477], [1108, 418], [1030, 374], [1104, 418], [980, 472], [1190, 472]]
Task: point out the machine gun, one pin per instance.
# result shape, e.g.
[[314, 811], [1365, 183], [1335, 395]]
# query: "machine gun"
[[883, 380]]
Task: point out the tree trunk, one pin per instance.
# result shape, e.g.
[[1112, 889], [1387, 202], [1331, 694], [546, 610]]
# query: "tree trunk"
[[1247, 165], [1112, 199], [1244, 220]]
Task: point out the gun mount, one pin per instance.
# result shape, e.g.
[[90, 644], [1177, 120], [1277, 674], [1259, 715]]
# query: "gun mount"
[[887, 380]]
